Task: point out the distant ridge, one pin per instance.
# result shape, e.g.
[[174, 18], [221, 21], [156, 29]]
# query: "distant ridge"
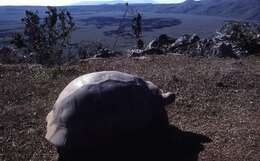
[[235, 9], [238, 9], [241, 9], [97, 3], [114, 2]]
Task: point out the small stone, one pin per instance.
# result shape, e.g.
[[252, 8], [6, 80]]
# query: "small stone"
[[31, 130]]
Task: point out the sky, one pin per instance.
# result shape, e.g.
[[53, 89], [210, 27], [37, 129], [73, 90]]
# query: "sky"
[[65, 2]]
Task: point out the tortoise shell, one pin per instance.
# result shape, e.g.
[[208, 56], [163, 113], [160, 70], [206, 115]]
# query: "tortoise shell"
[[97, 108]]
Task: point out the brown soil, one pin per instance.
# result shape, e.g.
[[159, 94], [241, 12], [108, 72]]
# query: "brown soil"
[[219, 98]]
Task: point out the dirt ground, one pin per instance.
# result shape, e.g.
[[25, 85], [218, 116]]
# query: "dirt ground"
[[219, 98]]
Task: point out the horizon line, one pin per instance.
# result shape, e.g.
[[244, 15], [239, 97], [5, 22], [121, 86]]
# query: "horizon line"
[[90, 4]]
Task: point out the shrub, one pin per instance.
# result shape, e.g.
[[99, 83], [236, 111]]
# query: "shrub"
[[48, 37]]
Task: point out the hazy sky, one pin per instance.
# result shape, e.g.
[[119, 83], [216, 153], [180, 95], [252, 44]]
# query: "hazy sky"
[[66, 2]]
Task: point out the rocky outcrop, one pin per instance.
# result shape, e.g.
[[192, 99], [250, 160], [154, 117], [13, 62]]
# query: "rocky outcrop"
[[234, 39]]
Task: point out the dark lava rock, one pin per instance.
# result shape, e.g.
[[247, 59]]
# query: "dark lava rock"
[[163, 41], [223, 49], [139, 52], [10, 56], [187, 44], [106, 53]]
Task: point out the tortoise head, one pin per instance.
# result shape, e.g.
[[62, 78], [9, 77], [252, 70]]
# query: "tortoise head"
[[168, 98]]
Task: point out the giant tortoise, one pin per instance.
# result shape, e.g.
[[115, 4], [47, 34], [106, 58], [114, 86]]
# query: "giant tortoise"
[[103, 108]]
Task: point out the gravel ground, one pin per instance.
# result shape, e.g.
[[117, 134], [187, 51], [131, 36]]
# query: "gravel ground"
[[219, 98]]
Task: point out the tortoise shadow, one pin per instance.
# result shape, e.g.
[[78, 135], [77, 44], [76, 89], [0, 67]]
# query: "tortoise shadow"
[[179, 146], [185, 145]]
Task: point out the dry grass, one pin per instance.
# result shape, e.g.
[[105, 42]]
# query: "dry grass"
[[219, 98]]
